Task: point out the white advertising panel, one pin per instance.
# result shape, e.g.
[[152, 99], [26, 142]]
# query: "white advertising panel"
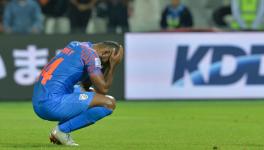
[[194, 65]]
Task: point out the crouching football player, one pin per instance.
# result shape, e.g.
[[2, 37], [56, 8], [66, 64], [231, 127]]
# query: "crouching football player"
[[55, 99]]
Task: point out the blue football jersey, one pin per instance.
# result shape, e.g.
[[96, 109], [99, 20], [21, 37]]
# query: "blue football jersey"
[[73, 64]]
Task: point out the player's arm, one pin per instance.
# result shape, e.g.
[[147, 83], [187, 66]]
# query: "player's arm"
[[102, 82], [87, 84]]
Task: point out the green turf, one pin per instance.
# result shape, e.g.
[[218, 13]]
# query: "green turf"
[[236, 125]]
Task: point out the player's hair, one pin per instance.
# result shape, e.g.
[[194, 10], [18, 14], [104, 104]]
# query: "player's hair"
[[111, 45]]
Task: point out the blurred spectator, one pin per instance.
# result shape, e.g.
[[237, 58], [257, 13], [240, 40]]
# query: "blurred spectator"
[[176, 15], [2, 5], [79, 14], [241, 14], [248, 14], [202, 11], [98, 22], [220, 16], [55, 19], [23, 16], [146, 15], [118, 13]]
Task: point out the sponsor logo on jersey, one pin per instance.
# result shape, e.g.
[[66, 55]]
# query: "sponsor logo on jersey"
[[83, 97]]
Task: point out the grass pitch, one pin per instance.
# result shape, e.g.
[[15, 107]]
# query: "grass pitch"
[[235, 125]]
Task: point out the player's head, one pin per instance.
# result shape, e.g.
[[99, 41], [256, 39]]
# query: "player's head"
[[105, 49]]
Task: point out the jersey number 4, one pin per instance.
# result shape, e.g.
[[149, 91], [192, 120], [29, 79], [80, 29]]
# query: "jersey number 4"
[[49, 69]]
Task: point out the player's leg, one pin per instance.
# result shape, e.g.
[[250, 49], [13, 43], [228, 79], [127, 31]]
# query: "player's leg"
[[103, 100], [100, 107], [96, 106], [98, 99]]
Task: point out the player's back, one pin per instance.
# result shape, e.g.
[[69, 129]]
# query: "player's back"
[[61, 74]]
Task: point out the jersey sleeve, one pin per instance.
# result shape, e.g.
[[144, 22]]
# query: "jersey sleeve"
[[92, 62]]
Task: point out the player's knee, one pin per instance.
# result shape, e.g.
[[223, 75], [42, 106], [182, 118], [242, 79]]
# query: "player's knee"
[[111, 102]]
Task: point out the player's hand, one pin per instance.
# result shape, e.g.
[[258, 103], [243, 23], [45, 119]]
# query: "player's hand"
[[121, 50], [116, 58], [120, 54]]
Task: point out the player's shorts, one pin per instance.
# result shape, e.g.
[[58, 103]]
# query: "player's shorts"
[[64, 107]]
